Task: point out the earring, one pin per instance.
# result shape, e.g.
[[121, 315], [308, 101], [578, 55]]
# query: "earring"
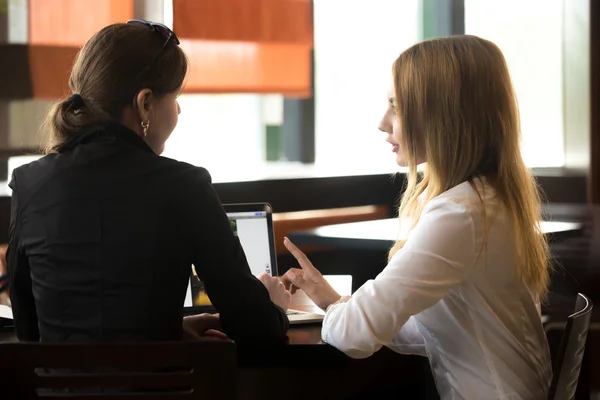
[[145, 127]]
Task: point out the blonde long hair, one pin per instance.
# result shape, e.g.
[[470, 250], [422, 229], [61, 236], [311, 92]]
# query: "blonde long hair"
[[455, 95]]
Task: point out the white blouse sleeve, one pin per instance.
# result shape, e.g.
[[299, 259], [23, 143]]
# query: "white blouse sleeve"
[[409, 340], [438, 255]]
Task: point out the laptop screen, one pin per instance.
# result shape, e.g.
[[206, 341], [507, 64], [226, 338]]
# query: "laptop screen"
[[252, 229]]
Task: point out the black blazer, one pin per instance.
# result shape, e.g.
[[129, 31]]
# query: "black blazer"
[[102, 238]]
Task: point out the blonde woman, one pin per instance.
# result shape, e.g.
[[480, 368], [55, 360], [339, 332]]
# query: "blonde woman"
[[464, 288]]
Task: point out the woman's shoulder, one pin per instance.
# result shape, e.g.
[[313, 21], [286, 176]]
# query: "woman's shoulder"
[[186, 172], [473, 201], [470, 196], [32, 173]]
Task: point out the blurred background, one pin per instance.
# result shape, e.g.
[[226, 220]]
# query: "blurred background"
[[295, 88]]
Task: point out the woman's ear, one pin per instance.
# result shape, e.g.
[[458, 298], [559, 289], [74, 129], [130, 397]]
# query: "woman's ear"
[[143, 103]]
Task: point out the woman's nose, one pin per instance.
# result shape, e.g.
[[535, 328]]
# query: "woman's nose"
[[384, 125]]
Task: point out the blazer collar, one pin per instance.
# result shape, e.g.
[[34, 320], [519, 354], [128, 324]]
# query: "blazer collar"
[[102, 131]]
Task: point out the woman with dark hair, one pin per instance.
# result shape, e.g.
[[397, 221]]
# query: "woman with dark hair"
[[103, 231]]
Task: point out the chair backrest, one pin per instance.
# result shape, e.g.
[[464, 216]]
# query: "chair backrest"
[[570, 354], [206, 369]]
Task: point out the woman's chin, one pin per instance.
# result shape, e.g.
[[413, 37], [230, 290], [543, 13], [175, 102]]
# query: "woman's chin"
[[401, 160]]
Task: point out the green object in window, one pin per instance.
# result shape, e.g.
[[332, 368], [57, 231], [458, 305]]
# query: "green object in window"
[[429, 19], [273, 142]]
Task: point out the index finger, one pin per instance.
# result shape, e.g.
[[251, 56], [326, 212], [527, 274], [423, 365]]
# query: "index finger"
[[297, 253]]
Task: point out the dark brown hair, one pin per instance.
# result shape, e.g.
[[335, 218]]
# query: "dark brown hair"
[[111, 68]]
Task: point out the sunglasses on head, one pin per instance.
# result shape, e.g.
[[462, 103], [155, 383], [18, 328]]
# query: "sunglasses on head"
[[162, 30]]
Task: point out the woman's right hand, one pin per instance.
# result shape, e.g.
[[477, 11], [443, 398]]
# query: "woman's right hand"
[[198, 326], [277, 291]]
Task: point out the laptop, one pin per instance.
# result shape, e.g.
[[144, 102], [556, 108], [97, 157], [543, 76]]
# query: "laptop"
[[253, 224]]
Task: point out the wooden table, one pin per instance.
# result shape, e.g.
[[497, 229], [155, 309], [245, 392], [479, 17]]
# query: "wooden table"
[[308, 368], [381, 234]]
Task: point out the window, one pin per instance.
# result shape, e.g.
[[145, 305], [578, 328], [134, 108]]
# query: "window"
[[353, 56], [356, 43], [223, 133], [530, 34]]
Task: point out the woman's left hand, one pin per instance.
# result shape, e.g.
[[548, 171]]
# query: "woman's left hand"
[[198, 326], [309, 279]]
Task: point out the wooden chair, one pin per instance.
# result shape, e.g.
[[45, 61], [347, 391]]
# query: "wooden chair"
[[570, 354], [204, 369]]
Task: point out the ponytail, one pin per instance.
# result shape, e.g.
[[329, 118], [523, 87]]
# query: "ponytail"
[[66, 119]]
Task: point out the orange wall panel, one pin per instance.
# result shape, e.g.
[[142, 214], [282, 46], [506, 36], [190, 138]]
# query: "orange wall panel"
[[225, 67], [50, 67], [234, 46], [73, 22], [288, 21]]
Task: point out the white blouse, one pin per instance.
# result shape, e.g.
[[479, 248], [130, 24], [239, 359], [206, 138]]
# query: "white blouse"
[[446, 296]]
